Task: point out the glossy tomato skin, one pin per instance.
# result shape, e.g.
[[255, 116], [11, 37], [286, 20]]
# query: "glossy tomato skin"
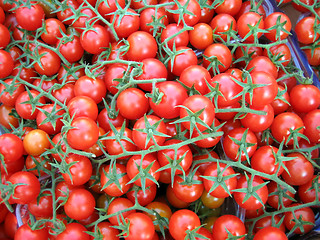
[[143, 198], [95, 40], [72, 51], [80, 171], [25, 110], [196, 103], [36, 142], [80, 204], [307, 192], [162, 209], [11, 147], [54, 27], [300, 170], [188, 192], [43, 208], [84, 134], [256, 122], [127, 25], [82, 106], [74, 231], [25, 232], [107, 231], [269, 221], [201, 36], [9, 99], [252, 203], [29, 191], [174, 95], [133, 166], [132, 103], [231, 148], [142, 46], [270, 233], [304, 98], [264, 160], [283, 124], [30, 18], [146, 17], [196, 76], [212, 171], [306, 214], [50, 63], [112, 189], [117, 205], [181, 221], [271, 20], [230, 222], [94, 88], [48, 127], [185, 162], [140, 138], [180, 40], [193, 6], [186, 58], [7, 64], [141, 227], [222, 53], [104, 120], [152, 69], [305, 31], [252, 19]]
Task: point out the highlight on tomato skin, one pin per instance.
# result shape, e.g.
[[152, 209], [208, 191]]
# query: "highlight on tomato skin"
[[158, 119]]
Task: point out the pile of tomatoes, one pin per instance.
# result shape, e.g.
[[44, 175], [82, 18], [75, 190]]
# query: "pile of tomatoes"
[[149, 119]]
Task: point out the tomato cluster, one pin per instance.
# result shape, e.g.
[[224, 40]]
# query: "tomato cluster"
[[150, 119]]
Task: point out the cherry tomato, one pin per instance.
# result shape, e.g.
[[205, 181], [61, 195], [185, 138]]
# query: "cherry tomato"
[[231, 223]]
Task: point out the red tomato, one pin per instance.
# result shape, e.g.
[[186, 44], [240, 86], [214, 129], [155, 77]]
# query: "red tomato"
[[49, 118], [222, 174], [30, 18], [174, 94], [107, 231], [305, 30], [132, 103], [152, 69], [194, 12], [25, 232], [302, 214], [28, 191], [53, 31], [307, 192], [181, 221], [136, 163], [201, 36], [71, 50], [188, 190], [50, 63], [249, 19], [92, 87], [304, 98], [118, 206], [217, 57], [117, 143], [105, 8], [221, 24], [141, 132], [111, 172], [147, 22], [258, 187], [270, 233], [126, 25], [95, 40], [265, 160], [6, 64], [311, 123], [231, 147], [180, 40], [300, 170], [84, 134], [5, 36], [141, 227], [80, 171], [256, 122], [83, 106], [183, 156], [190, 108], [104, 120], [43, 207], [269, 221], [74, 231], [142, 45], [277, 34], [231, 223], [186, 57], [80, 204], [284, 124], [11, 147], [196, 77]]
